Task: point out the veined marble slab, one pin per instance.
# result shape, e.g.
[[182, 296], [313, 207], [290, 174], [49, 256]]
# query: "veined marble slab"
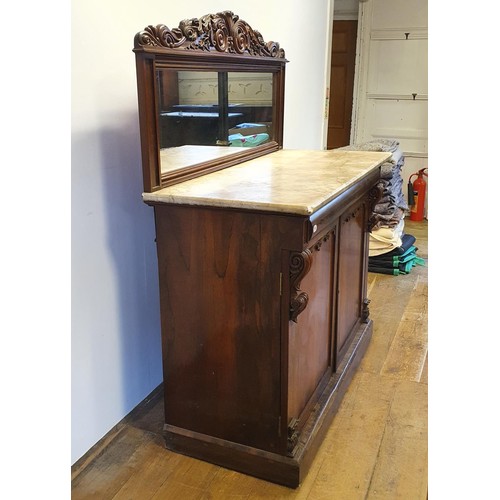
[[289, 181]]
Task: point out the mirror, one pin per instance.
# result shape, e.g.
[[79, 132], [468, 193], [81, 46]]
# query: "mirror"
[[208, 115], [210, 96]]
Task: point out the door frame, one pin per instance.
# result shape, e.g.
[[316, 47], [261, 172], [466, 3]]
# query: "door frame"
[[346, 15]]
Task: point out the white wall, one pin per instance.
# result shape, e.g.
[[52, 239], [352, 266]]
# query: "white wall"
[[346, 10], [116, 359], [34, 254]]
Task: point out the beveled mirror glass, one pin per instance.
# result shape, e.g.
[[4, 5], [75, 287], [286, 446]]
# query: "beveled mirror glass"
[[210, 96]]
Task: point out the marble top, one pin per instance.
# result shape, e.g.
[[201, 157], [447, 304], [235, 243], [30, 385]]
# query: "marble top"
[[289, 181]]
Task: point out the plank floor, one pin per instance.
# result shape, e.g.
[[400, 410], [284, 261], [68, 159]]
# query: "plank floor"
[[376, 447]]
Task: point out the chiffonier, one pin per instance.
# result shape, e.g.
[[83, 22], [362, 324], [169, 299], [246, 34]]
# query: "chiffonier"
[[262, 252]]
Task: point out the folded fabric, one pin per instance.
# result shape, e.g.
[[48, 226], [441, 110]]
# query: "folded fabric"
[[400, 260], [395, 260], [247, 140], [393, 187], [397, 157], [389, 220], [388, 198], [407, 241], [393, 164], [391, 181], [385, 239], [388, 145], [384, 208], [396, 265], [410, 257]]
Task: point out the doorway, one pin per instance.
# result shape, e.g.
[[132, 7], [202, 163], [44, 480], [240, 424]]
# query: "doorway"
[[341, 83]]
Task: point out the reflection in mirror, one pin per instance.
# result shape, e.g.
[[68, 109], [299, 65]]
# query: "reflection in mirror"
[[207, 115]]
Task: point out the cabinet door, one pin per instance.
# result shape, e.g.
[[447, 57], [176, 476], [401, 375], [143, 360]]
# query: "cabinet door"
[[310, 347], [351, 283]]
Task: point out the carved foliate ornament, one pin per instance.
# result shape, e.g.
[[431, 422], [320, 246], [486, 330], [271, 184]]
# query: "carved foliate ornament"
[[365, 312], [293, 436], [223, 32], [352, 214]]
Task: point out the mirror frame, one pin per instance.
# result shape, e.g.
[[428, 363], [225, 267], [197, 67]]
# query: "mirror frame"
[[215, 42]]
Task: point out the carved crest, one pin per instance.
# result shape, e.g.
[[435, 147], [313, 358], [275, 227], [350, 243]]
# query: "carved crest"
[[223, 32]]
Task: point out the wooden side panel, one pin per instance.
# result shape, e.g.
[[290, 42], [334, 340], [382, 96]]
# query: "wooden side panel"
[[351, 274], [310, 337], [146, 88], [220, 300]]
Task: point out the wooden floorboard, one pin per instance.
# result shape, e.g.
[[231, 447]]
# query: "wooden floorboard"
[[375, 448]]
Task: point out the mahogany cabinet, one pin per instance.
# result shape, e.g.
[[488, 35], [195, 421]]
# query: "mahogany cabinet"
[[262, 255], [264, 319]]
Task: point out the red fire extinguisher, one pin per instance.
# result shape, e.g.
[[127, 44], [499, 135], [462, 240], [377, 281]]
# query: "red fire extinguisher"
[[416, 195]]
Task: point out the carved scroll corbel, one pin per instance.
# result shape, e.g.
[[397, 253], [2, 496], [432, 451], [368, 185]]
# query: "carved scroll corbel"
[[300, 264]]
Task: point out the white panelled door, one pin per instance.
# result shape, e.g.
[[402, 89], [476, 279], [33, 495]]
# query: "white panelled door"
[[391, 89], [391, 93]]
